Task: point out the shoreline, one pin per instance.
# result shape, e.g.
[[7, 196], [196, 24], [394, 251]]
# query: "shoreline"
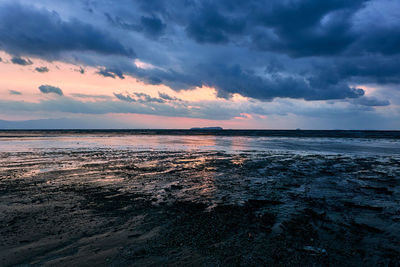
[[197, 208], [368, 134]]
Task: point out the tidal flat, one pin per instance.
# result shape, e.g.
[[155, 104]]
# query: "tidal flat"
[[72, 200]]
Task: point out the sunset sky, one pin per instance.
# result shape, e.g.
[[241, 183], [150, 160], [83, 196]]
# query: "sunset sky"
[[265, 64]]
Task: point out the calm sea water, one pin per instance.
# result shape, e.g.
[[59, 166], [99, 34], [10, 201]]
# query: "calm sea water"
[[325, 142]]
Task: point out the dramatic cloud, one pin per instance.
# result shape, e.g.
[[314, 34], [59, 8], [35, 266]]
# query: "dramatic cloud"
[[168, 97], [42, 69], [13, 92], [210, 26], [126, 98], [239, 43], [371, 101], [48, 89], [310, 51], [111, 73], [152, 27], [234, 79], [309, 30], [21, 61], [29, 30], [141, 97]]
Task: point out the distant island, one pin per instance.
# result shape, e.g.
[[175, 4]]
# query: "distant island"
[[206, 128]]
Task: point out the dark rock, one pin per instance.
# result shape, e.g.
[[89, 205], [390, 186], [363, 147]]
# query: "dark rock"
[[379, 190], [258, 203], [366, 207], [367, 227], [176, 187], [267, 220]]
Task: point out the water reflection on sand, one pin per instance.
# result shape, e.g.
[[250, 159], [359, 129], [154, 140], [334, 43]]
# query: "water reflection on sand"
[[207, 142], [220, 191]]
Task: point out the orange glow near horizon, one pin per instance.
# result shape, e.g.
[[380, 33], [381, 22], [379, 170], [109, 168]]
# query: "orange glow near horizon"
[[66, 76], [161, 122]]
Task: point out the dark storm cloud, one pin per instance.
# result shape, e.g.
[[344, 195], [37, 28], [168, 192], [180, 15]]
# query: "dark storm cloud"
[[237, 80], [42, 69], [234, 79], [21, 61], [378, 41], [13, 92], [119, 22], [48, 89], [151, 26], [112, 73], [369, 68], [298, 28], [29, 30], [262, 49], [210, 26], [310, 32], [306, 28]]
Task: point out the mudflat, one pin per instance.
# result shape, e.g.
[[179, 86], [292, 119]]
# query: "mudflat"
[[201, 207]]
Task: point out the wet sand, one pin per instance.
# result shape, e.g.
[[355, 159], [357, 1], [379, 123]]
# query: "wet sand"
[[108, 206]]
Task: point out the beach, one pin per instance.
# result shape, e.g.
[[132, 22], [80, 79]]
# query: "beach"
[[115, 199]]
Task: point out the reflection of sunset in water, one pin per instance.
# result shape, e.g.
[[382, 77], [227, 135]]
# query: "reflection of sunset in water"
[[240, 143], [197, 173], [157, 142]]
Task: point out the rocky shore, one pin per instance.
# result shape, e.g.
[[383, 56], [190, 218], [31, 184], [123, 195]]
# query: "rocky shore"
[[199, 208]]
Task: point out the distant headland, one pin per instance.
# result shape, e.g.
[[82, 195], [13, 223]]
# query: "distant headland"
[[206, 128]]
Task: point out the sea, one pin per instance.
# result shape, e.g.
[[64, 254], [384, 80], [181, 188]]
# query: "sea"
[[297, 141]]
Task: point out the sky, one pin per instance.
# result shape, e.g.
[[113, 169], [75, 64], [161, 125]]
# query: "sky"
[[255, 64]]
